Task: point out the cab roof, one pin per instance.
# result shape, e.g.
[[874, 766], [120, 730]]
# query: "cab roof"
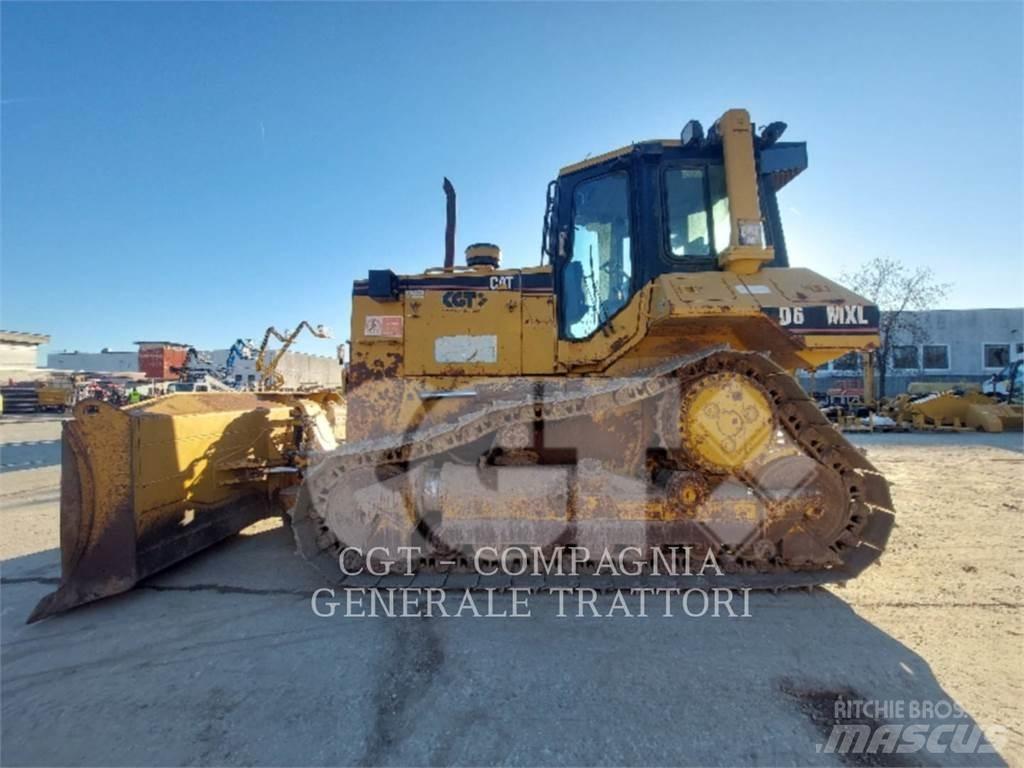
[[781, 161]]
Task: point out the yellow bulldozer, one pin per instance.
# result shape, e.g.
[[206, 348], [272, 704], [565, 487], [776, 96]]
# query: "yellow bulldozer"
[[994, 405], [632, 394], [955, 409]]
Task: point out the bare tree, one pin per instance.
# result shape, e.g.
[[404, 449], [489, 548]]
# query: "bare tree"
[[901, 294]]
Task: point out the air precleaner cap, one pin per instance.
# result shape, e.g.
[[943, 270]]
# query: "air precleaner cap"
[[483, 255]]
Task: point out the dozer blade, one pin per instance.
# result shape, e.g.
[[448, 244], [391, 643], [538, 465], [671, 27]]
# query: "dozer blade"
[[146, 486], [995, 417]]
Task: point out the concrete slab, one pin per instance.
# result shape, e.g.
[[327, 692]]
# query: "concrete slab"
[[184, 671]]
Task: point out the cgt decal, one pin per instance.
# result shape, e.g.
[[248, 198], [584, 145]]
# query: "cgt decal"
[[463, 299]]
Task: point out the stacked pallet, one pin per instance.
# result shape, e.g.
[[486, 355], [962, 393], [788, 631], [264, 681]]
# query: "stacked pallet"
[[20, 398]]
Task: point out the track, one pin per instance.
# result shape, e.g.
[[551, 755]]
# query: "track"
[[326, 518]]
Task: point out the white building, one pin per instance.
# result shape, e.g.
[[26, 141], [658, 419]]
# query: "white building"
[[104, 361], [959, 345], [19, 351]]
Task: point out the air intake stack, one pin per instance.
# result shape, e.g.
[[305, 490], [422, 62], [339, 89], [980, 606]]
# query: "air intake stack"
[[483, 256]]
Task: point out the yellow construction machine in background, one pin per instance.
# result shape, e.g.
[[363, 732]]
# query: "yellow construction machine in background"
[[633, 393], [267, 362], [996, 405], [953, 409], [57, 394]]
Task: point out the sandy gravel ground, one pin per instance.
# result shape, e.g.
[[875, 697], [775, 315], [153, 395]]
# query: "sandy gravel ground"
[[219, 661], [951, 584]]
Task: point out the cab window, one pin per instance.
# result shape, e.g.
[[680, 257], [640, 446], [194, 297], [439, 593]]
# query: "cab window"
[[597, 280], [694, 231]]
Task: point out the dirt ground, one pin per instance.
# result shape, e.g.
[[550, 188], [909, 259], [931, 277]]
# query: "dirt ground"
[[950, 585], [219, 662]]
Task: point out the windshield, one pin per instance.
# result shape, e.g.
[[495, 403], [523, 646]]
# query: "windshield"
[[597, 280]]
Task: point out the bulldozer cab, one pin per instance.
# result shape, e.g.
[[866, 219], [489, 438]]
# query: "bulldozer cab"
[[653, 250], [614, 223]]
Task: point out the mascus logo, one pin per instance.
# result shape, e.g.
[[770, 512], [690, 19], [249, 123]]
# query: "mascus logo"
[[463, 299]]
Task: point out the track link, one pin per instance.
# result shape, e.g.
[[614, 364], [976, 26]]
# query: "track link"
[[858, 544]]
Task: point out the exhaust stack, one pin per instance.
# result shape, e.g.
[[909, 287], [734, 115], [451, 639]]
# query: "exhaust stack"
[[449, 227]]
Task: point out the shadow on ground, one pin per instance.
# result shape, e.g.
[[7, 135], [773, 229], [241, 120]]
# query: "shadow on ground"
[[221, 661], [29, 455], [1010, 441]]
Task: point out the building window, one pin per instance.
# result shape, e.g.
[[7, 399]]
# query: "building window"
[[995, 355], [847, 363], [936, 357], [904, 357]]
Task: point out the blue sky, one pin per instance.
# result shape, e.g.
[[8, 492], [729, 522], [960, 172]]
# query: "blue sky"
[[199, 171]]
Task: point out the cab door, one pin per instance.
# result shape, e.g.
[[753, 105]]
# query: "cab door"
[[600, 301], [464, 325], [597, 272]]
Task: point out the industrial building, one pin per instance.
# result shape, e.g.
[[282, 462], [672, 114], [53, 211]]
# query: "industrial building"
[[19, 352], [156, 360], [959, 345], [106, 361]]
